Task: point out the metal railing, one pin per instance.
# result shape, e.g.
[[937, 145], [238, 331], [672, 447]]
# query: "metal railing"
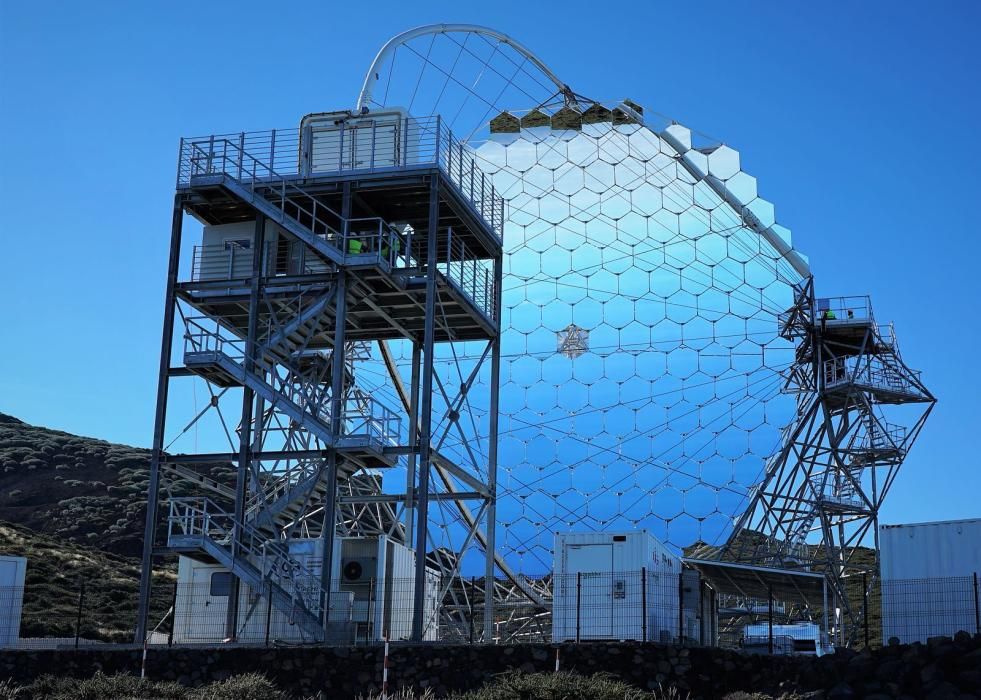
[[269, 159], [362, 415], [868, 372], [884, 436], [233, 261], [372, 241], [857, 308], [216, 155], [473, 277], [279, 485], [201, 517]]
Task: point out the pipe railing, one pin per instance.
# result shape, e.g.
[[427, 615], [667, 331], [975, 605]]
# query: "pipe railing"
[[868, 372], [472, 276], [199, 516], [269, 159], [361, 416]]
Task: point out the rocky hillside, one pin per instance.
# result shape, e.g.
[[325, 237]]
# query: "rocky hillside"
[[78, 489], [56, 571]]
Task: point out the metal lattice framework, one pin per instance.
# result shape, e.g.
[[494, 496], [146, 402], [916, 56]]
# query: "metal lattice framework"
[[860, 408], [630, 370]]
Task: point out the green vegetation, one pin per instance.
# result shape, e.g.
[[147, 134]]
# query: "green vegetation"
[[55, 572], [250, 686], [566, 686], [79, 489]]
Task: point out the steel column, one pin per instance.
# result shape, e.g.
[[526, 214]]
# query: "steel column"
[[245, 425], [426, 417], [327, 532], [410, 478], [495, 384], [160, 420]]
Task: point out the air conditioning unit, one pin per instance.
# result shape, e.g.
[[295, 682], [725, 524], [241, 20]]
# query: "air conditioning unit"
[[380, 574], [358, 570]]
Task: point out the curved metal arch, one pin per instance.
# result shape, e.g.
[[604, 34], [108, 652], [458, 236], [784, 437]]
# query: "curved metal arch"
[[371, 77]]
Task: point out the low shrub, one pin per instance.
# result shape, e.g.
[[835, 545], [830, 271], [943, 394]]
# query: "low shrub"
[[123, 686]]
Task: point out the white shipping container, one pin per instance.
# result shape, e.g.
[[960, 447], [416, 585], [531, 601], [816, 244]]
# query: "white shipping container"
[[202, 603], [615, 586], [12, 573], [928, 573], [373, 585], [340, 141]]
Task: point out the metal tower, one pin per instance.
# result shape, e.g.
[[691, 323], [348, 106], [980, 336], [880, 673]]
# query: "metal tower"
[[821, 493], [359, 231]]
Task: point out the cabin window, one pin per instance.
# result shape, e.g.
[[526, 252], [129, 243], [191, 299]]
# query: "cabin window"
[[238, 243], [221, 583]]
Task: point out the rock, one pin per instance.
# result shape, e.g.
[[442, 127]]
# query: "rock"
[[841, 692], [930, 673], [944, 691]]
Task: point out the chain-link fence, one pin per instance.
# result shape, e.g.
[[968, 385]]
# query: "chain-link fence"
[[641, 606]]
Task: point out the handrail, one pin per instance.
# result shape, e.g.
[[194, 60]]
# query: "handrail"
[[201, 516], [285, 156], [472, 276], [871, 372], [362, 413]]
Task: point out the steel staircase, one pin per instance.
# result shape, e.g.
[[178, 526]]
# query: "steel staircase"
[[198, 525]]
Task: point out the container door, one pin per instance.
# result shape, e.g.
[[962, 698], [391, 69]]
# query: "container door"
[[210, 588], [374, 144], [592, 566], [11, 597]]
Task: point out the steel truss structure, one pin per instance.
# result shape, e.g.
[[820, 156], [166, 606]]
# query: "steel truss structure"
[[860, 408], [343, 263], [359, 331]]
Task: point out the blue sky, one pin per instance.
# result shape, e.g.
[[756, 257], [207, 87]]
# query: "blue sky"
[[859, 120]]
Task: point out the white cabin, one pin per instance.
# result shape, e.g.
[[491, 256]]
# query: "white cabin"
[[615, 586]]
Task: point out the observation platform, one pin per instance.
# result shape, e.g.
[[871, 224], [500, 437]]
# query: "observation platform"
[[847, 325], [885, 382], [300, 185], [387, 167]]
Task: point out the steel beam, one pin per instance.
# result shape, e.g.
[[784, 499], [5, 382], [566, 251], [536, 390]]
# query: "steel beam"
[[245, 424], [160, 420], [426, 418]]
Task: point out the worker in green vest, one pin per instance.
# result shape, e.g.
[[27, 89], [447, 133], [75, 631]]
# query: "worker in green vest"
[[354, 246], [396, 247]]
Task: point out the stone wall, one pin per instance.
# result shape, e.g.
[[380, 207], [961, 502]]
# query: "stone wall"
[[943, 668]]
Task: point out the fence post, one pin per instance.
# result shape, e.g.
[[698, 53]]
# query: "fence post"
[[173, 616], [769, 622], [578, 604], [643, 602], [977, 607], [371, 610], [78, 616], [865, 606], [269, 609]]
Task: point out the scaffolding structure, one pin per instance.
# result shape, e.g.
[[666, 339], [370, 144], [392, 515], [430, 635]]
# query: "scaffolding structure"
[[860, 408], [386, 234]]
